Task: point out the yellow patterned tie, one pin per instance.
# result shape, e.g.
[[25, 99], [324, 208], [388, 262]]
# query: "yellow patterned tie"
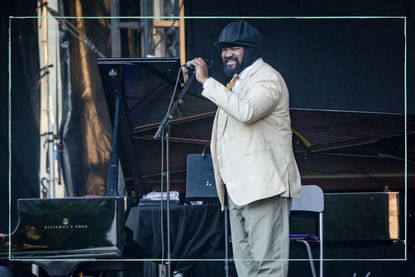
[[232, 82]]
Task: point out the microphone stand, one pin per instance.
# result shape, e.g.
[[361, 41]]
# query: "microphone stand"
[[169, 115], [163, 133]]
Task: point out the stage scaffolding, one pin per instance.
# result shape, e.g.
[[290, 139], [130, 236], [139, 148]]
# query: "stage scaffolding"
[[160, 30]]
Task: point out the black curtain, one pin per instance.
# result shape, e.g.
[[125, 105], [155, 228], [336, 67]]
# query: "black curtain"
[[24, 111], [86, 130], [336, 64]]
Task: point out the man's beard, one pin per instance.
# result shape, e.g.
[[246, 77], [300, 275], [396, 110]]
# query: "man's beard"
[[229, 72]]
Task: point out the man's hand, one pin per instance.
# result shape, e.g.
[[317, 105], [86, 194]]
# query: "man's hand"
[[201, 69]]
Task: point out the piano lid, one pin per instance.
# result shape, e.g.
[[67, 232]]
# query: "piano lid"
[[321, 130], [145, 87]]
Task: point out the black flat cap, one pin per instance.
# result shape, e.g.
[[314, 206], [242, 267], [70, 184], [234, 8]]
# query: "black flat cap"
[[239, 33]]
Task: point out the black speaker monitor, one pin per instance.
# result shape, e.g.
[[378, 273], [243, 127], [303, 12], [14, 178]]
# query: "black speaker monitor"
[[200, 181]]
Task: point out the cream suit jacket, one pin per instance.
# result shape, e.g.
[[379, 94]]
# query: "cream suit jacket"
[[251, 142]]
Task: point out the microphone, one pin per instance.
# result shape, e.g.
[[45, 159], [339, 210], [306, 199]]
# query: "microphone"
[[189, 66]]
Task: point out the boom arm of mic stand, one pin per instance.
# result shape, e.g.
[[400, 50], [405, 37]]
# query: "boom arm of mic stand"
[[169, 114]]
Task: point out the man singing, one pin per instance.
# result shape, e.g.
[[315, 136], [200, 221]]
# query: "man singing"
[[252, 153]]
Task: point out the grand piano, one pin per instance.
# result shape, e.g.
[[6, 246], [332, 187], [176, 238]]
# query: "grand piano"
[[341, 151], [60, 234]]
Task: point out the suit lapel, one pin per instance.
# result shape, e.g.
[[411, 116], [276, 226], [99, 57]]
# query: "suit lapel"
[[244, 85]]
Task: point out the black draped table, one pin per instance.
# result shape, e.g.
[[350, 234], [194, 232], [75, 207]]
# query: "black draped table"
[[196, 232]]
